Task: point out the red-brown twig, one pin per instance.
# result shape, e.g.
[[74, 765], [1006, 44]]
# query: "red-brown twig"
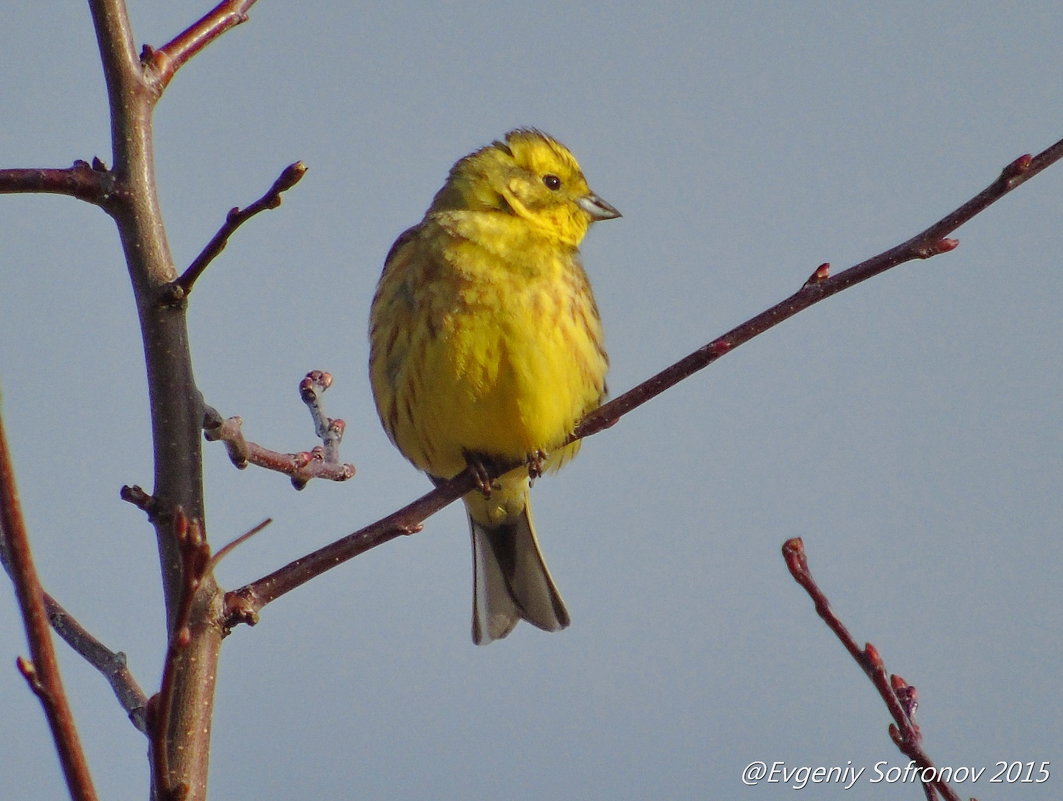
[[899, 696], [236, 217], [244, 603], [41, 671], [169, 58], [322, 461], [228, 548], [92, 183], [820, 286]]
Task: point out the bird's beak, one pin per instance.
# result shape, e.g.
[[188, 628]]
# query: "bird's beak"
[[597, 208]]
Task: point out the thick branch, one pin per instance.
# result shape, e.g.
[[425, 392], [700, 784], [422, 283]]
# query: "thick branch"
[[121, 68], [176, 408], [244, 604], [42, 670], [899, 696], [175, 401]]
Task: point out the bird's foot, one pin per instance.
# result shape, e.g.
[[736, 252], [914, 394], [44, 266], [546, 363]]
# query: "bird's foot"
[[535, 464], [479, 471]]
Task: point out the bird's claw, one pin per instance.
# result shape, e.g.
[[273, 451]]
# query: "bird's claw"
[[535, 464], [479, 472]]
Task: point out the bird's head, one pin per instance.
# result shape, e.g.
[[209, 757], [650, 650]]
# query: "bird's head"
[[531, 176]]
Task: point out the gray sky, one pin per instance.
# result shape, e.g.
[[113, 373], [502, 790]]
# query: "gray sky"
[[908, 429]]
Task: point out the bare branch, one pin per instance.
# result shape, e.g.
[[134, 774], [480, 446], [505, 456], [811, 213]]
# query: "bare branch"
[[228, 548], [821, 286], [176, 405], [322, 461], [42, 670], [160, 709], [92, 183], [112, 664], [169, 58], [328, 430], [243, 604], [900, 697], [180, 288]]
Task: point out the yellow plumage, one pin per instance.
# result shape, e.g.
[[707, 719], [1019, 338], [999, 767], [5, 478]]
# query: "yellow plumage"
[[486, 346]]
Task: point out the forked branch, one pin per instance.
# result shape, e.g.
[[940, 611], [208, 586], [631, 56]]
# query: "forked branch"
[[112, 664], [322, 461]]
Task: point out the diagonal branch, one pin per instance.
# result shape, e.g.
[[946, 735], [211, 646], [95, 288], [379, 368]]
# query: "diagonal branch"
[[899, 696], [244, 604], [42, 669], [236, 217], [169, 58], [112, 664], [821, 286]]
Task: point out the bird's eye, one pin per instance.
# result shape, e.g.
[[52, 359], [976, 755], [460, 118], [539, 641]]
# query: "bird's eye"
[[552, 182]]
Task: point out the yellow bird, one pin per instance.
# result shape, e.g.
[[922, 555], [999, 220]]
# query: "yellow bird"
[[486, 347]]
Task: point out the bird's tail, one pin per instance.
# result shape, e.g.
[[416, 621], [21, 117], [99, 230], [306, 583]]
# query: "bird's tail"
[[511, 581]]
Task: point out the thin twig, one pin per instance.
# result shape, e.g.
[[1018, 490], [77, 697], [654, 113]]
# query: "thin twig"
[[899, 696], [225, 550], [169, 58], [236, 217], [42, 669], [301, 466], [821, 286], [112, 664], [322, 461], [329, 430], [244, 604]]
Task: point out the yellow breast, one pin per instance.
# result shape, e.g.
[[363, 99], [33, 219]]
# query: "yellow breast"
[[488, 344]]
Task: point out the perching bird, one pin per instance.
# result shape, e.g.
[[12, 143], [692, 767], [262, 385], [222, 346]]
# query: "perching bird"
[[486, 347]]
